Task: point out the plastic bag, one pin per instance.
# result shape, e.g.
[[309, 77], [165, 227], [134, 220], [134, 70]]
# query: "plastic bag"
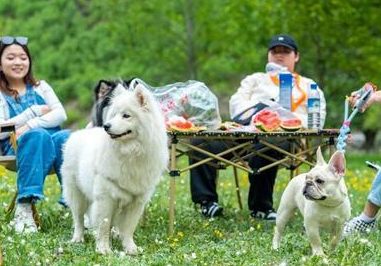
[[191, 100], [244, 117]]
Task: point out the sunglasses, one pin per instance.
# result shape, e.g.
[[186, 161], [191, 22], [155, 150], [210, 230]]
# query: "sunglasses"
[[7, 40]]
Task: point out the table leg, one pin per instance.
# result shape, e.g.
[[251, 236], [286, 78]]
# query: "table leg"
[[292, 171], [1, 256], [174, 173], [237, 187], [331, 144]]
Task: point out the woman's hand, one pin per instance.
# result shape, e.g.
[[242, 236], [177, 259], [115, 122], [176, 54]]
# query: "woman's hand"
[[21, 130]]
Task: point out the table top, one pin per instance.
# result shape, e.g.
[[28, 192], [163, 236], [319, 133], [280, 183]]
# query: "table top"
[[247, 134]]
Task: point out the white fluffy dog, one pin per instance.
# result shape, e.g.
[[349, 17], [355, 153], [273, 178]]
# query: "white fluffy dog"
[[115, 169]]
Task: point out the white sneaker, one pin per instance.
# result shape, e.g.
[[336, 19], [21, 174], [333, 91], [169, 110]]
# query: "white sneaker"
[[24, 221], [356, 225]]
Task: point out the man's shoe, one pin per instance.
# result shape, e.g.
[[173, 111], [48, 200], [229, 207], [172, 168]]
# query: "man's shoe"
[[24, 222], [356, 225], [269, 215], [211, 209]]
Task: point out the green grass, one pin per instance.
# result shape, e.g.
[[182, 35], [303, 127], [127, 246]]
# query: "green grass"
[[234, 239]]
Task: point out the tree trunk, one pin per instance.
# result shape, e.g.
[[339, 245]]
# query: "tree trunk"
[[370, 137], [191, 55]]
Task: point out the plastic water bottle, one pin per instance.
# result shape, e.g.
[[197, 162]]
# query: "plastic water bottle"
[[285, 90], [274, 68], [313, 108]]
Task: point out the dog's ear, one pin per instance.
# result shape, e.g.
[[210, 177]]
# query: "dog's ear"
[[127, 82], [319, 157], [337, 163], [141, 95], [103, 89], [119, 89]]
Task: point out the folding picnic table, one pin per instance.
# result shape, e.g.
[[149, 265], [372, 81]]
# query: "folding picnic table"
[[239, 145]]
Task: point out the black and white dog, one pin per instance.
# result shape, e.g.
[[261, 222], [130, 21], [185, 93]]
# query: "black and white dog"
[[102, 96]]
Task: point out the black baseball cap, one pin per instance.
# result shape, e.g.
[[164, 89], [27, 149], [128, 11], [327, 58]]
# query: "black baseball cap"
[[283, 40]]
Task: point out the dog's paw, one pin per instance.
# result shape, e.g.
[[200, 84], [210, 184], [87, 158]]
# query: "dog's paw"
[[318, 253], [132, 249], [103, 249], [275, 246], [77, 239]]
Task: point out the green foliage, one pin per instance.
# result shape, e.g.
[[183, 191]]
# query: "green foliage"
[[76, 43]]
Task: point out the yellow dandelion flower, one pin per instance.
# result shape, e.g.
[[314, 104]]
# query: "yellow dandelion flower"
[[3, 171], [218, 233], [259, 226]]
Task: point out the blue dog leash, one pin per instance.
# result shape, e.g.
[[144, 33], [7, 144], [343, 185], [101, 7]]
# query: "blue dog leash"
[[363, 95]]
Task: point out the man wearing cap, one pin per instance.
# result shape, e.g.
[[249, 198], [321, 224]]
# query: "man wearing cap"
[[260, 87]]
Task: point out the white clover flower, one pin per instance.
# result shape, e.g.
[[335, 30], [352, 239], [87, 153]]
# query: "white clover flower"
[[193, 256], [22, 241], [283, 263], [251, 229], [238, 253], [122, 254], [60, 250], [325, 261]]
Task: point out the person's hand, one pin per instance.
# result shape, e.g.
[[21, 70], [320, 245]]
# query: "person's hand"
[[45, 109], [350, 138], [374, 98], [21, 130], [353, 98]]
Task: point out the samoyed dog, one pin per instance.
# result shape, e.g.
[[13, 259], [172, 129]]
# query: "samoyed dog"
[[115, 169]]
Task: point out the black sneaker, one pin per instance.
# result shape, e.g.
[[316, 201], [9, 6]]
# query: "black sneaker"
[[269, 215], [211, 209]]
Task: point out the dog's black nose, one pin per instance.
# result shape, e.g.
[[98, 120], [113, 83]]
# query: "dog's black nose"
[[107, 127]]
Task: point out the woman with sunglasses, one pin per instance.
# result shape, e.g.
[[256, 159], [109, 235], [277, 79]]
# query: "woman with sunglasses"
[[37, 114]]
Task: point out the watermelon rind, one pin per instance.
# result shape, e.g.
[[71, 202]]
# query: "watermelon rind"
[[295, 127], [263, 128]]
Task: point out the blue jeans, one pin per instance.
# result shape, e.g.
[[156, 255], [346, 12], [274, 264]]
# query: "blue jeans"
[[375, 192], [38, 151]]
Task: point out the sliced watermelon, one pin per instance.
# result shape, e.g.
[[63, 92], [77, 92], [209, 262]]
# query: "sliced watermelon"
[[267, 120], [291, 124]]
